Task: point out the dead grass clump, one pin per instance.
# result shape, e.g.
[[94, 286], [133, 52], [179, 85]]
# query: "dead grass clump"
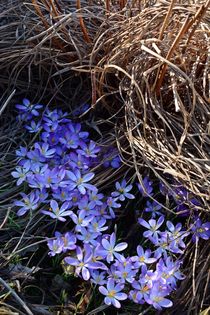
[[41, 41], [156, 64]]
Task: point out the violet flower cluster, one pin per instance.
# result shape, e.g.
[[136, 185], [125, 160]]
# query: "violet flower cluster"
[[58, 172]]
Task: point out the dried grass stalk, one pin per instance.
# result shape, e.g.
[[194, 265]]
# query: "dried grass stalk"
[[157, 63]]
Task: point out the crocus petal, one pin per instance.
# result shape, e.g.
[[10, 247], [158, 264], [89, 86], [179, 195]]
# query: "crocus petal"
[[79, 253], [106, 244], [82, 189], [66, 213], [64, 206], [121, 296], [85, 273], [88, 177], [21, 211], [72, 176], [54, 205], [160, 221], [110, 284], [116, 303], [103, 290], [120, 247], [170, 226], [144, 223], [112, 239], [71, 261], [166, 303], [107, 301], [140, 250]]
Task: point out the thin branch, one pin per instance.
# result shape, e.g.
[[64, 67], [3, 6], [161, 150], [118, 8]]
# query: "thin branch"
[[16, 297]]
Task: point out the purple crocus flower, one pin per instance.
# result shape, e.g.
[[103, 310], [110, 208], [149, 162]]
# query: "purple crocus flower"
[[57, 212], [30, 202], [35, 157], [78, 161], [45, 150], [153, 208], [157, 297], [21, 173], [54, 116], [34, 127], [200, 230], [122, 191], [146, 189], [83, 262], [85, 204], [53, 138], [69, 240], [169, 272], [136, 296], [125, 272], [87, 237], [55, 246], [152, 227], [111, 160], [111, 203], [176, 236], [143, 257], [70, 140], [28, 107], [115, 162], [89, 150], [43, 195], [51, 177], [113, 293], [61, 194], [98, 277], [95, 198], [97, 225], [21, 152], [81, 109], [82, 219], [143, 288], [49, 129], [76, 128], [163, 243], [110, 249], [79, 181], [147, 276]]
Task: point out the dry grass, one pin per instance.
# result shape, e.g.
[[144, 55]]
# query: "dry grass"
[[148, 65], [156, 64]]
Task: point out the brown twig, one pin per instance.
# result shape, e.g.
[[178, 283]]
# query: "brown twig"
[[166, 20], [182, 32], [82, 25], [17, 298]]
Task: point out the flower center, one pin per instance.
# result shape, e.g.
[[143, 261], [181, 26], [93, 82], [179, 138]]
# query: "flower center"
[[158, 298], [145, 288], [79, 181], [112, 293], [165, 275], [57, 210]]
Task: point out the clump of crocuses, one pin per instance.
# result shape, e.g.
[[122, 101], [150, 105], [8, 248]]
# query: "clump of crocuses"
[[61, 184]]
